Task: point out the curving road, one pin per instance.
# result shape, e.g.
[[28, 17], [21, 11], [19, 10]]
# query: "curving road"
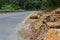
[[9, 23]]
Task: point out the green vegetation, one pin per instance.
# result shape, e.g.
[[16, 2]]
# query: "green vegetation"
[[29, 4]]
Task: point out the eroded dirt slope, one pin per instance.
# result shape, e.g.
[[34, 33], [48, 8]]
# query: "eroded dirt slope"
[[44, 26]]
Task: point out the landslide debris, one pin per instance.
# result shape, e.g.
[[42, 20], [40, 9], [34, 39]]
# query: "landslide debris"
[[45, 21], [44, 26]]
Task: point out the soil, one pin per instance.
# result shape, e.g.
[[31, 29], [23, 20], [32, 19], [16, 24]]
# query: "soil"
[[45, 25]]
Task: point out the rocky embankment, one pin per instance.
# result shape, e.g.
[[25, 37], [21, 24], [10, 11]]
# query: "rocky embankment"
[[43, 26]]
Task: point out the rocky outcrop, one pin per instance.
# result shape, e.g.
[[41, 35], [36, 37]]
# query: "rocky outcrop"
[[44, 22], [44, 26], [53, 34]]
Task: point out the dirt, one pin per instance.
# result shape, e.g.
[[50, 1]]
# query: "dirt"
[[53, 34], [44, 26]]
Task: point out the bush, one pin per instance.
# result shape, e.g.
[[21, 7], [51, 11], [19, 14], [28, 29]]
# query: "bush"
[[29, 4], [10, 7]]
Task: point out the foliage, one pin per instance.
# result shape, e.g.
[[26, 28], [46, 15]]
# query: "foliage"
[[29, 4], [10, 7]]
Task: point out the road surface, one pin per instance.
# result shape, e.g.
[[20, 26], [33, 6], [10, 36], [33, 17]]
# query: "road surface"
[[9, 23]]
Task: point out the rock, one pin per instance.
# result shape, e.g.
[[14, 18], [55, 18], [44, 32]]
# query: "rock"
[[43, 26], [53, 24], [53, 34]]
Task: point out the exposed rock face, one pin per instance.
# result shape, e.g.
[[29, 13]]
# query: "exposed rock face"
[[45, 22], [44, 26], [53, 34]]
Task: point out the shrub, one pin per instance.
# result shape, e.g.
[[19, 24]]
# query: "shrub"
[[10, 7]]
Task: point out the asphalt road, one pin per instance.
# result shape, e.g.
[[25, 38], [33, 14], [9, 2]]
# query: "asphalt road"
[[9, 23]]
